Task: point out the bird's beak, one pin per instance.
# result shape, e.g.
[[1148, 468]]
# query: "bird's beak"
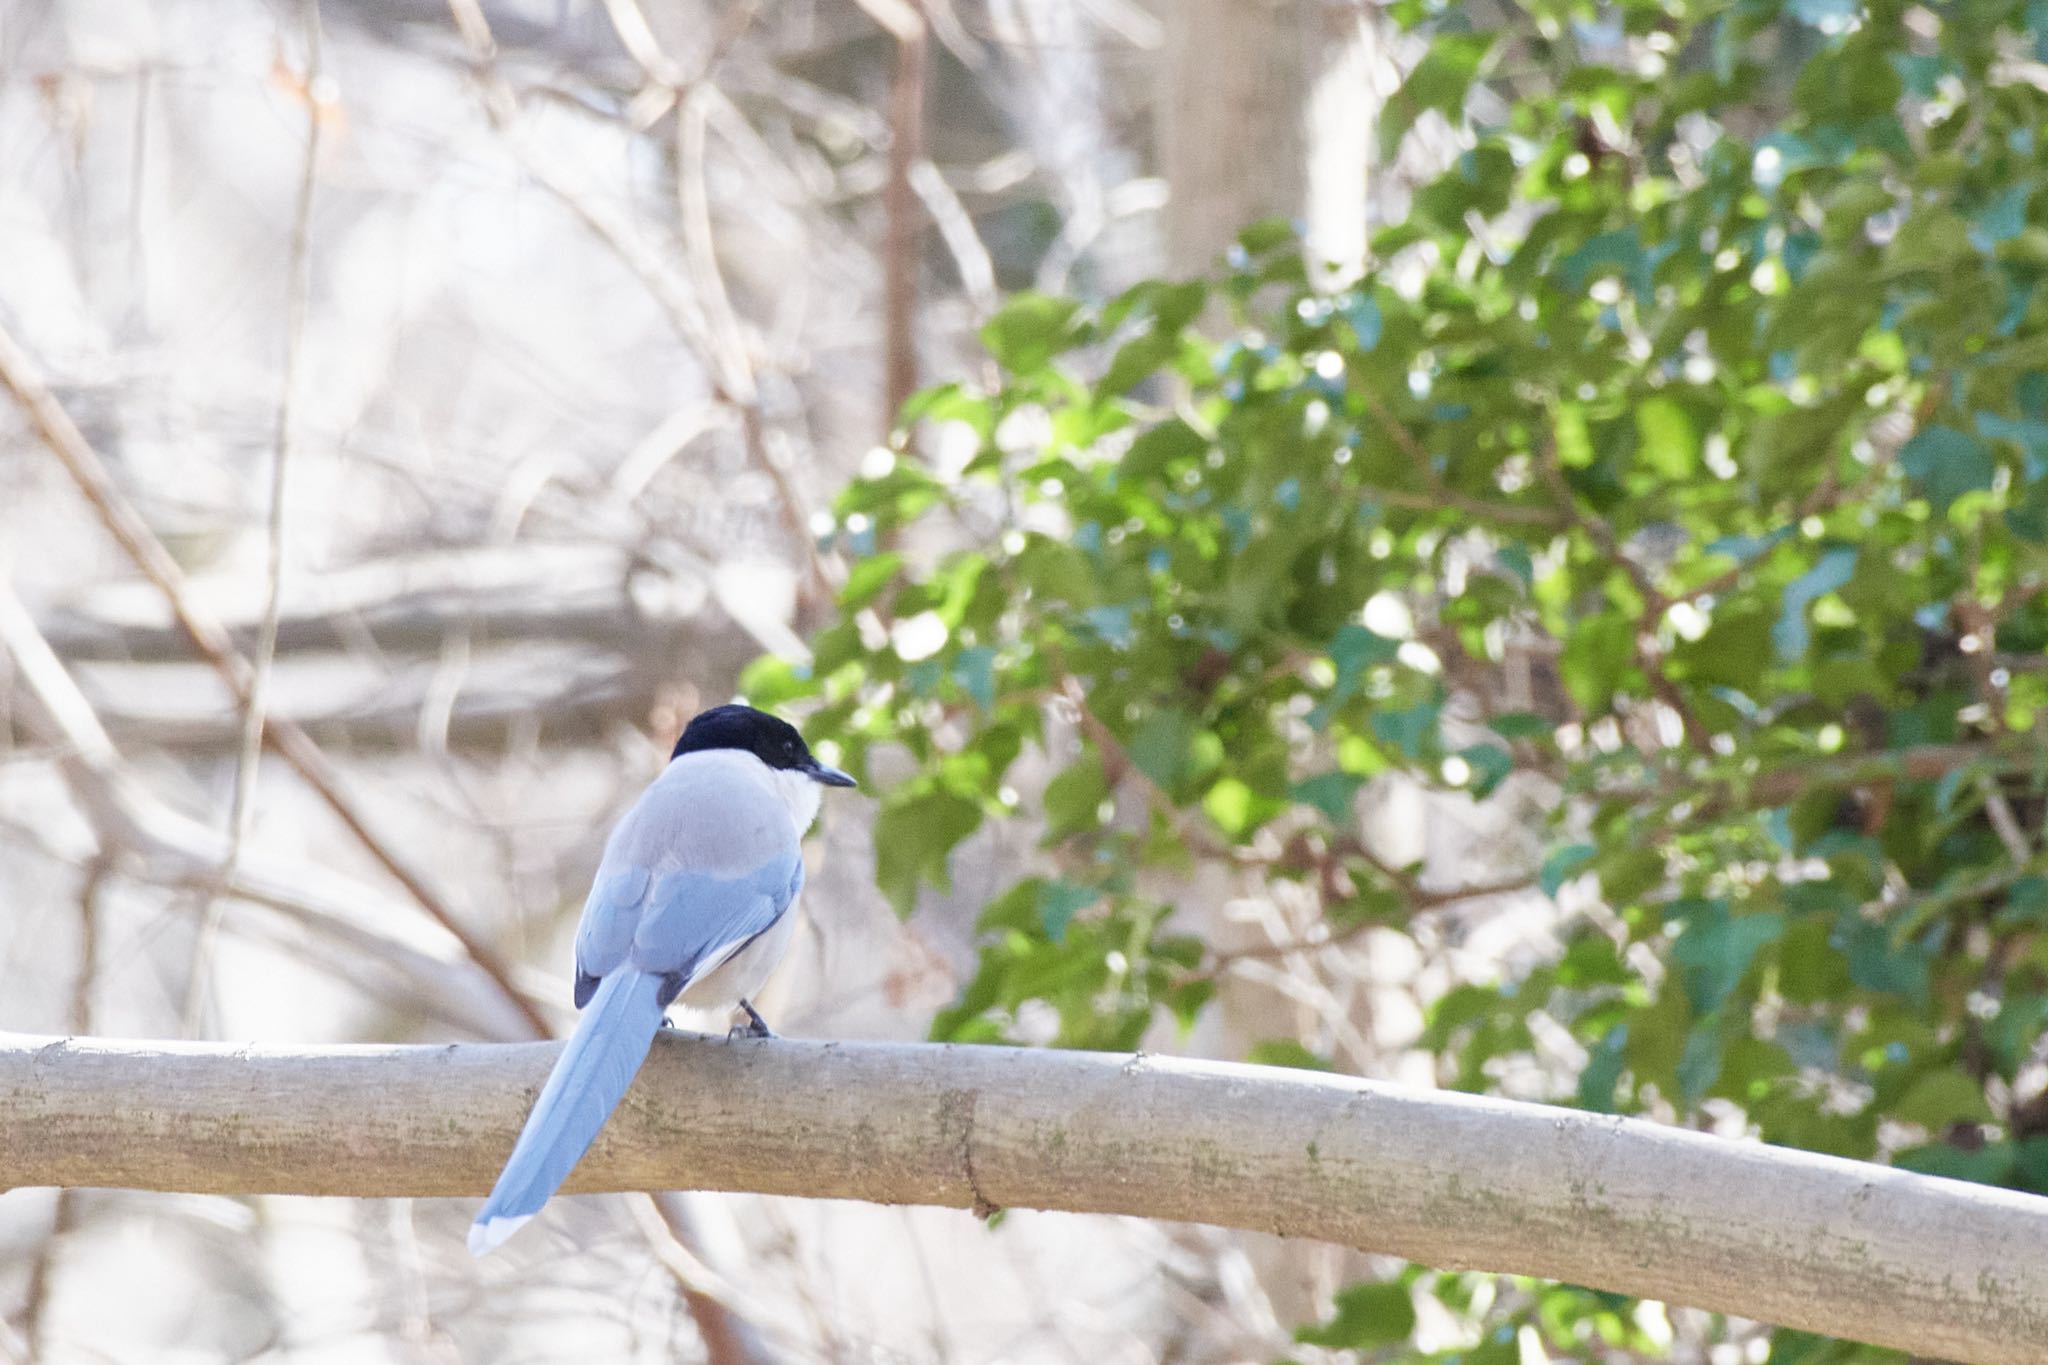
[[830, 777]]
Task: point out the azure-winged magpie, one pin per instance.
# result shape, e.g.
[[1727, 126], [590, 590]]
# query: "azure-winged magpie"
[[692, 901]]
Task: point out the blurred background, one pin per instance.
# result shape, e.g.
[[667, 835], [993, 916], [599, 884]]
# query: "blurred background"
[[560, 323]]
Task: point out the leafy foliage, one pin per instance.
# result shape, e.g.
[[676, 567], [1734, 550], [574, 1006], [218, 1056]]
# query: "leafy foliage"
[[1705, 394]]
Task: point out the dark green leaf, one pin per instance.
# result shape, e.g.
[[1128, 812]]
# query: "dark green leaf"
[[1946, 463]]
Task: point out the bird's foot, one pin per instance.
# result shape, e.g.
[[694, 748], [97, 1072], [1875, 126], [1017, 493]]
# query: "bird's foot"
[[755, 1027]]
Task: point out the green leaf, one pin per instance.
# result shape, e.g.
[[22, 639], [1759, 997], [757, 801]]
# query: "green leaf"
[[1991, 1164], [1368, 1315], [1945, 464], [974, 668], [1162, 745], [1073, 798], [914, 836], [1832, 15], [1490, 766], [2028, 518], [1161, 447], [2026, 903], [1520, 725], [1229, 804], [1411, 729], [1362, 311], [770, 681], [1941, 1098], [948, 403], [1267, 235], [1438, 82], [1716, 949], [1597, 658], [1029, 330], [1287, 1052], [1626, 874], [1833, 570], [1136, 360], [1564, 864], [1876, 965], [1699, 1065], [1059, 902], [1666, 439], [866, 579], [1355, 651], [1603, 1070], [1330, 793]]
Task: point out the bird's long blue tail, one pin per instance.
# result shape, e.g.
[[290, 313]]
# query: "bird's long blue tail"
[[590, 1077]]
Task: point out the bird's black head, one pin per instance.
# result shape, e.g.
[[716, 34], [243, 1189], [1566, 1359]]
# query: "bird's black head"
[[772, 740]]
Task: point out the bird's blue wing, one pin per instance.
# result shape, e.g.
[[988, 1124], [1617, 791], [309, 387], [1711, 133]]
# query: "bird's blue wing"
[[610, 915], [693, 921]]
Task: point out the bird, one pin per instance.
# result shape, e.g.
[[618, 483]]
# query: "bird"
[[691, 901]]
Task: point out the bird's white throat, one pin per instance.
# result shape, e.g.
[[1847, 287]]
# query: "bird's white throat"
[[800, 793]]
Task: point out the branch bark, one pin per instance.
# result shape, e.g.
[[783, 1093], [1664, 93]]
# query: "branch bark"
[[1839, 1247]]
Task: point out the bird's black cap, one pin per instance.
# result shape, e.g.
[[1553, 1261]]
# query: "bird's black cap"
[[769, 738]]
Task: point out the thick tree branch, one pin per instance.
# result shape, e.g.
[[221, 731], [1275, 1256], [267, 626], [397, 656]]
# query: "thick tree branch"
[[1933, 1266]]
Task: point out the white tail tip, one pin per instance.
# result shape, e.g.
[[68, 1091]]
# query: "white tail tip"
[[486, 1235]]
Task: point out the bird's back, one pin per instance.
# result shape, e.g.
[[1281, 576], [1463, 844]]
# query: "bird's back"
[[716, 813]]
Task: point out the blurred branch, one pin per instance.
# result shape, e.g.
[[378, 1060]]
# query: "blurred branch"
[[573, 695], [582, 637], [956, 229], [732, 376], [1327, 935], [1441, 494], [1814, 1242], [1643, 638], [1779, 786], [901, 223], [732, 1322], [294, 745], [597, 593], [137, 834]]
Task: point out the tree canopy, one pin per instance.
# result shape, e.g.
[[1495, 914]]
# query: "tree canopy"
[[1681, 463]]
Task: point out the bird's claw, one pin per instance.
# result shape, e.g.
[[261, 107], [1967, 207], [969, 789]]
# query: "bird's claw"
[[755, 1027]]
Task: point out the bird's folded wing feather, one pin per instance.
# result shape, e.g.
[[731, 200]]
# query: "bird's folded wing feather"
[[688, 878]]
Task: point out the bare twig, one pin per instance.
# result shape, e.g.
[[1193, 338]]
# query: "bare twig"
[[297, 286], [42, 1270], [293, 744], [693, 202]]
